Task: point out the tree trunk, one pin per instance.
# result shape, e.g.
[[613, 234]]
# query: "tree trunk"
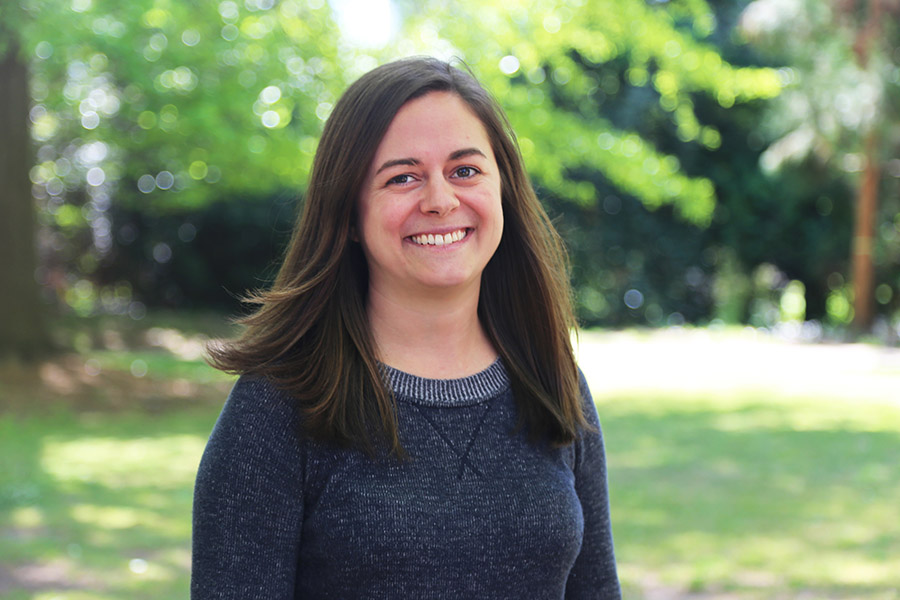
[[22, 326], [867, 198], [866, 209]]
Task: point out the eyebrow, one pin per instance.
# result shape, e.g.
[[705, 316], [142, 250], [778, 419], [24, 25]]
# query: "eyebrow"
[[466, 152], [455, 155], [398, 161]]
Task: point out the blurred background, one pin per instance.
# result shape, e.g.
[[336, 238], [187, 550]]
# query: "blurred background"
[[726, 174]]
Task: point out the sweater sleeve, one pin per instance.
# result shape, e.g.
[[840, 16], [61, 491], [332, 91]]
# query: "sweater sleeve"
[[594, 572], [248, 499]]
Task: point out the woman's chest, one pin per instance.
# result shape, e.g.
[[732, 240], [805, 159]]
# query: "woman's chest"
[[472, 490]]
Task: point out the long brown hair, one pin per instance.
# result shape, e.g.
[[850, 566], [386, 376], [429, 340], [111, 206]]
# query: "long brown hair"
[[309, 333]]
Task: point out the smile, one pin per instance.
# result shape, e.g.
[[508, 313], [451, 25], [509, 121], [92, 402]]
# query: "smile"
[[430, 239]]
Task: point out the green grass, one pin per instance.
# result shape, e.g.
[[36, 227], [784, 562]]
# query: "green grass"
[[98, 453], [738, 496], [755, 497], [156, 364], [91, 496]]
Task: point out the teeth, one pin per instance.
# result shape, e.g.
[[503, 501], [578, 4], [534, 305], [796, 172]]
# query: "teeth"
[[431, 239]]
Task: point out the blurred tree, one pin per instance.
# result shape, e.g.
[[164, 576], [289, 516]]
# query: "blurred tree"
[[165, 132], [841, 111], [868, 38], [22, 330], [160, 108], [791, 219]]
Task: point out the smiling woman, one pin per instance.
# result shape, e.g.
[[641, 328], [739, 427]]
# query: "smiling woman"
[[409, 421], [430, 219]]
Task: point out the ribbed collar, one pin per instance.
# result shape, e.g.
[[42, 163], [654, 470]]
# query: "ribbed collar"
[[445, 393]]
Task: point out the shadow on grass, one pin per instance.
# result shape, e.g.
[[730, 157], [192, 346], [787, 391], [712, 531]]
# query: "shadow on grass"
[[98, 452], [98, 505]]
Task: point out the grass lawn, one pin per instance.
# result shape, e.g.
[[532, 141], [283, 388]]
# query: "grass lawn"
[[754, 497], [746, 467], [737, 494], [98, 505]]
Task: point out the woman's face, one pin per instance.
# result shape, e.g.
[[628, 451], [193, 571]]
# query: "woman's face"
[[430, 215]]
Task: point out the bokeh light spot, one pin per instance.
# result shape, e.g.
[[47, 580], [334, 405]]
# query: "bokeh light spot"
[[190, 37], [509, 64], [270, 94], [95, 176], [147, 120], [138, 566], [187, 232], [198, 170], [146, 183], [90, 120], [551, 24], [43, 50], [230, 33], [138, 368], [270, 119], [323, 110], [162, 253], [165, 180], [633, 299]]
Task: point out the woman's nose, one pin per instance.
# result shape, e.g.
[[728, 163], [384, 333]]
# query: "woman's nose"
[[439, 197]]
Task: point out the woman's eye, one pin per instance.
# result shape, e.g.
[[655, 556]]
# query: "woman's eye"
[[466, 172], [400, 179]]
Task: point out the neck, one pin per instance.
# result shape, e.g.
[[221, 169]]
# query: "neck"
[[435, 336]]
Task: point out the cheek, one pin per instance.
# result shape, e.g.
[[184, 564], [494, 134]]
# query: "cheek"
[[492, 210], [382, 225]]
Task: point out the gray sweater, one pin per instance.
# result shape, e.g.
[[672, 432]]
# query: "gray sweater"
[[477, 511]]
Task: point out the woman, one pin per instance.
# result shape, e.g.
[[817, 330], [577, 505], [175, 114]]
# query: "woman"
[[409, 422]]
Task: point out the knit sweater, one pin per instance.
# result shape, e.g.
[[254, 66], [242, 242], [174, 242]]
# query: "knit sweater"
[[477, 511]]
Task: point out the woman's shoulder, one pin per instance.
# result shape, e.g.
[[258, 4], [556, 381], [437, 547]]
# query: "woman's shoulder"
[[250, 386], [255, 403], [587, 399], [252, 391]]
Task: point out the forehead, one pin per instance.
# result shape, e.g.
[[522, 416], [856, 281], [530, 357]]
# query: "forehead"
[[432, 121]]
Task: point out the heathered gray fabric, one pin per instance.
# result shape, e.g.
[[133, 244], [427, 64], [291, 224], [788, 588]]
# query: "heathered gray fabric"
[[477, 512]]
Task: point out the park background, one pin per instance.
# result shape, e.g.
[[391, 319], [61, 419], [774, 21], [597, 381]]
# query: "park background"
[[726, 175]]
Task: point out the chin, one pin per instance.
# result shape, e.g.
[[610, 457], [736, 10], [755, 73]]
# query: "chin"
[[449, 280]]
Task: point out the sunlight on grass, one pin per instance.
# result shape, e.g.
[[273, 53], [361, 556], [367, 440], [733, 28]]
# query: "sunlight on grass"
[[26, 517], [73, 595], [112, 517], [124, 462], [750, 492], [99, 504], [156, 363]]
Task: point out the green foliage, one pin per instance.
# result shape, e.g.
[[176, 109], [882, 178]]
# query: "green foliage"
[[205, 259], [144, 112], [842, 78], [166, 131], [177, 103]]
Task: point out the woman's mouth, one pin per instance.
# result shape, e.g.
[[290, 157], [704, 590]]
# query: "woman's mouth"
[[436, 239]]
